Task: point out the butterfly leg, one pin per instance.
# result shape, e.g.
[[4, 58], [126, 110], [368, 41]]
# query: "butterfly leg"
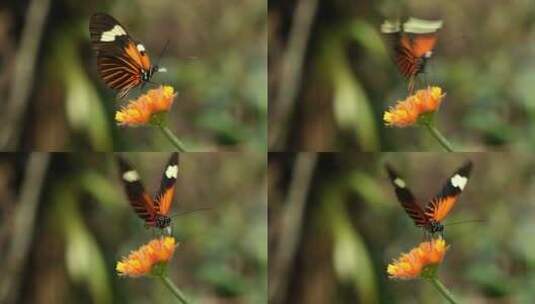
[[411, 85], [149, 82], [425, 79], [162, 52], [426, 235], [168, 231]]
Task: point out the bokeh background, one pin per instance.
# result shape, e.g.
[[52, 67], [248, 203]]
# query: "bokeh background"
[[331, 76], [65, 222], [335, 224], [53, 99]]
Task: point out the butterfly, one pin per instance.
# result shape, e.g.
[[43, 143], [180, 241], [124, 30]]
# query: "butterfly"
[[122, 62], [154, 211], [438, 207], [413, 43]]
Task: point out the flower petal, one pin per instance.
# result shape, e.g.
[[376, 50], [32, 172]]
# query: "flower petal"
[[407, 112], [410, 265], [140, 111], [141, 261]]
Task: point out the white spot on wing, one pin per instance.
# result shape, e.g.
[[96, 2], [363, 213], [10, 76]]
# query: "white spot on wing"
[[110, 35], [459, 181], [399, 182], [171, 171], [131, 176], [140, 47], [390, 27], [421, 26]]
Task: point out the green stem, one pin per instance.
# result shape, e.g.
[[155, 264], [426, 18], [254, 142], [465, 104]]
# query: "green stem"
[[172, 138], [443, 290], [178, 294], [439, 137]]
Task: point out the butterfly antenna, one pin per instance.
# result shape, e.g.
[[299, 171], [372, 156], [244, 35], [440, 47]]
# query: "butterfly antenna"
[[191, 211], [463, 222], [160, 57]]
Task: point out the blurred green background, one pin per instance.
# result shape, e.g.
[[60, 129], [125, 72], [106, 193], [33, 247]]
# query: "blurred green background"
[[335, 221], [331, 77], [54, 100], [65, 222]]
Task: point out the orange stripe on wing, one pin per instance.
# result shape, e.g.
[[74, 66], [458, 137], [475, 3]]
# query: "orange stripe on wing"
[[166, 200], [423, 43], [133, 53], [439, 208]]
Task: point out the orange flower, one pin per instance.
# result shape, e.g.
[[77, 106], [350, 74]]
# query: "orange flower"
[[141, 261], [141, 111], [407, 112], [419, 261]]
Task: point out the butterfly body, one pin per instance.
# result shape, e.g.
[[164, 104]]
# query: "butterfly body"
[[434, 227], [413, 43], [437, 209], [153, 211], [162, 221], [123, 63]]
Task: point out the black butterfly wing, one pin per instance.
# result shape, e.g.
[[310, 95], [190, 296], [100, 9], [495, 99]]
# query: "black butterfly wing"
[[164, 197], [107, 34], [407, 62], [441, 205], [140, 201], [406, 198], [118, 73], [400, 50], [412, 43], [121, 61]]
